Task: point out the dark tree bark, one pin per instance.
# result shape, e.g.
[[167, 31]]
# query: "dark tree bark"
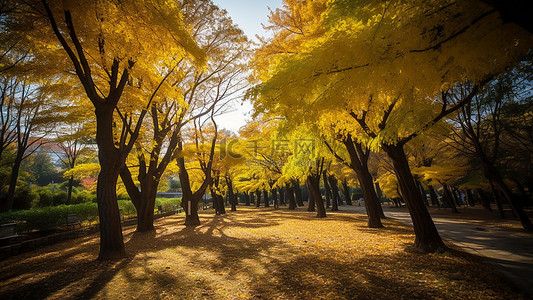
[[149, 175], [258, 198], [497, 200], [289, 193], [433, 196], [15, 169], [359, 163], [275, 198], [484, 199], [265, 196], [449, 198], [310, 198], [282, 196], [426, 234], [335, 199], [422, 192], [470, 198], [346, 192], [191, 199], [326, 188], [246, 199], [298, 192], [313, 182], [231, 194]]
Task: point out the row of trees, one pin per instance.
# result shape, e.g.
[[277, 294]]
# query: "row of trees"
[[399, 69], [148, 70], [347, 91]]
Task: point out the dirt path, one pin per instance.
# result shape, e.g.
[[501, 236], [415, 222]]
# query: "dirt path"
[[501, 243]]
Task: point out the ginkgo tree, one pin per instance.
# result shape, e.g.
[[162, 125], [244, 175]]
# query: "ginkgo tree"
[[104, 46], [188, 93], [390, 67]]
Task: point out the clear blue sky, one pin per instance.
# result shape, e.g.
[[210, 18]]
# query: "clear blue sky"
[[248, 15]]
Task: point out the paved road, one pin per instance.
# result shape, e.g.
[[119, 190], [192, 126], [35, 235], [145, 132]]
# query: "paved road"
[[509, 252]]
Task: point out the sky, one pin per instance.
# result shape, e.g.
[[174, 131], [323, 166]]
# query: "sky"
[[248, 15]]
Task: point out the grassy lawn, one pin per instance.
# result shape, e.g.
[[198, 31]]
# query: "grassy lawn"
[[254, 253]]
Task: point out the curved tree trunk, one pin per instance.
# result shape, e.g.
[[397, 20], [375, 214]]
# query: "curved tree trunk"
[[427, 237], [359, 163]]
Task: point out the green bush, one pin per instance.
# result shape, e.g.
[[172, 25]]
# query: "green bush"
[[60, 198], [167, 203], [54, 216], [82, 197], [45, 197], [49, 217], [24, 197]]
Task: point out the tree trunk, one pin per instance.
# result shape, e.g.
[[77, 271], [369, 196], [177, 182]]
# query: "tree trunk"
[[433, 196], [246, 199], [427, 237], [449, 198], [69, 190], [221, 205], [346, 192], [484, 199], [274, 192], [497, 200], [327, 189], [258, 198], [265, 196], [470, 197], [359, 163], [290, 196], [310, 198], [15, 169], [334, 192], [111, 162], [313, 182], [282, 196], [422, 192], [298, 193], [189, 203], [231, 194]]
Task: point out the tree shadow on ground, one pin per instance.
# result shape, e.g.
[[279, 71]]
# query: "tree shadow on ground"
[[175, 261], [69, 269]]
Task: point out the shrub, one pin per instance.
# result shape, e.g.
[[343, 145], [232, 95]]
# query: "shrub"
[[49, 217], [24, 198], [60, 198], [167, 203], [45, 197]]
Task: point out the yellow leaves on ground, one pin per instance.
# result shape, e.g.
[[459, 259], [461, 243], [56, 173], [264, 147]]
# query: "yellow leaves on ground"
[[254, 253]]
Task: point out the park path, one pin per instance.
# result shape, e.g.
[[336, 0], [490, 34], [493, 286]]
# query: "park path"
[[510, 252]]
